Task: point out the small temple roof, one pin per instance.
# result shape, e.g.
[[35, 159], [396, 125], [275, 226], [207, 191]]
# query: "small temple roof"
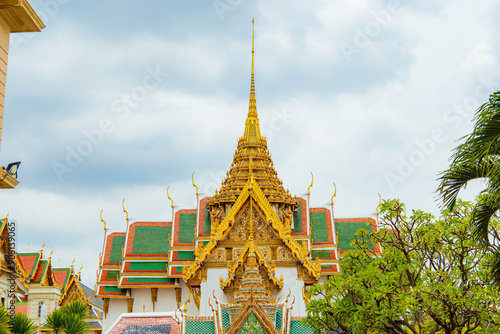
[[29, 263]]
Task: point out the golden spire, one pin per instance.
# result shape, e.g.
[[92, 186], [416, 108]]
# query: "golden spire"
[[251, 160], [252, 108], [252, 129]]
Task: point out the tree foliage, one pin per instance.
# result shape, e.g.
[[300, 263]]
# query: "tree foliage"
[[478, 158], [432, 277]]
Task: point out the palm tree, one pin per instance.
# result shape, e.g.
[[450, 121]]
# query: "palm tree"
[[69, 319], [5, 319], [77, 308], [75, 325], [55, 321], [478, 158], [23, 325]]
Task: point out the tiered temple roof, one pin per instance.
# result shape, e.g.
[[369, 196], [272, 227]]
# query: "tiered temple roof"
[[249, 227]]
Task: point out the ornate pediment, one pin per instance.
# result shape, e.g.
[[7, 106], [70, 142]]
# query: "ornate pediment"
[[241, 229], [267, 216]]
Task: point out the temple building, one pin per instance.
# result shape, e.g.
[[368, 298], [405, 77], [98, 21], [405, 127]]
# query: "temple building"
[[36, 288], [241, 261]]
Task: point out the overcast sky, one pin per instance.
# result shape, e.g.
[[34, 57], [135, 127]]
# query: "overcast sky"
[[120, 99]]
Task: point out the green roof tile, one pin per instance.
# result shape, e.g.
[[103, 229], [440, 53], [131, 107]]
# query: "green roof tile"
[[188, 255], [114, 289], [116, 249], [297, 327], [187, 223], [149, 266], [322, 254], [347, 231], [151, 280], [196, 327], [297, 219], [151, 240], [207, 223], [319, 228], [112, 274]]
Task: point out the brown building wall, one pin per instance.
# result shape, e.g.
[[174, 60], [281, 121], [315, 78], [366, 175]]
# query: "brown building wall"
[[4, 51]]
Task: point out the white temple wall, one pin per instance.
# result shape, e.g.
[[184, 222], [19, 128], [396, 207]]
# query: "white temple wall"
[[166, 301], [142, 300], [295, 286], [117, 306], [209, 286]]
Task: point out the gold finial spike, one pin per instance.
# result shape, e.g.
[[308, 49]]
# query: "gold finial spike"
[[50, 256], [312, 182], [252, 108], [378, 206], [41, 249], [194, 185], [74, 258], [28, 248], [335, 193], [80, 272], [103, 220], [170, 198], [59, 263], [123, 206], [253, 44]]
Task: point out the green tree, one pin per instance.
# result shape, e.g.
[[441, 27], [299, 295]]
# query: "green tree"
[[478, 158], [23, 325], [432, 277], [69, 319]]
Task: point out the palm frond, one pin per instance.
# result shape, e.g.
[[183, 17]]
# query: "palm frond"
[[23, 325], [75, 325], [456, 178], [485, 208], [495, 269], [77, 308], [55, 321]]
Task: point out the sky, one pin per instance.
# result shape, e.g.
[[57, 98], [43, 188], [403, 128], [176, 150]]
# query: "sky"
[[121, 99]]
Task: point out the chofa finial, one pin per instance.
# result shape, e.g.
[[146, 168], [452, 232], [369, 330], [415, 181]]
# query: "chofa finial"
[[170, 198], [103, 220], [123, 206]]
